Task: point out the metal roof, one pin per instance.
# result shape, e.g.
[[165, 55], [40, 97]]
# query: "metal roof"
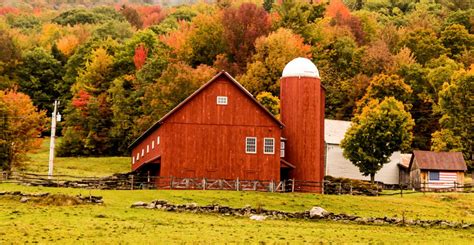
[[334, 130], [157, 124], [300, 67], [429, 160]]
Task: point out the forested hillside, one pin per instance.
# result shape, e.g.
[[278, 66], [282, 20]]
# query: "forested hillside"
[[118, 66]]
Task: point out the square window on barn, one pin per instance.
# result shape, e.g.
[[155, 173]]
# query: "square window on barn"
[[251, 145], [434, 175], [143, 152], [222, 100], [269, 146], [152, 144], [147, 148]]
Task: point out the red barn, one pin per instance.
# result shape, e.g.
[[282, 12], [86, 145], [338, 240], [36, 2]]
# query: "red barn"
[[222, 132]]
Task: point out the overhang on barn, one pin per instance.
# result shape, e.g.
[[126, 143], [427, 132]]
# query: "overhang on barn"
[[436, 170]]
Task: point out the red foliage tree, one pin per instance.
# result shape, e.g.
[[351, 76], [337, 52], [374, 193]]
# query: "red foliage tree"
[[141, 52], [151, 15], [338, 11], [242, 26], [81, 99], [8, 10]]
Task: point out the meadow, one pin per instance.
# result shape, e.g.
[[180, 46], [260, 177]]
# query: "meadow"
[[115, 222]]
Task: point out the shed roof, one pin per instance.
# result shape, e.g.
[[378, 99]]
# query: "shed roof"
[[157, 124], [334, 130], [429, 160], [405, 160]]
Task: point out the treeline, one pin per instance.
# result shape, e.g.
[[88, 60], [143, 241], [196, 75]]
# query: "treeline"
[[118, 69]]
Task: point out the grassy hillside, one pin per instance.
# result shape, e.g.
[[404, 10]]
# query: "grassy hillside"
[[115, 222], [77, 166]]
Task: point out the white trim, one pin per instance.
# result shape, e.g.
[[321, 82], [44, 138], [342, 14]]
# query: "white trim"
[[157, 140], [147, 148], [133, 159], [272, 140], [282, 148], [138, 156], [152, 144], [221, 100], [247, 145], [143, 152]]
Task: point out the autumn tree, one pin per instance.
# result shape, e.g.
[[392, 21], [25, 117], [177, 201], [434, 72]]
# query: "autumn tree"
[[270, 102], [242, 26], [424, 44], [456, 104], [457, 39], [21, 124], [132, 16], [382, 128], [272, 54]]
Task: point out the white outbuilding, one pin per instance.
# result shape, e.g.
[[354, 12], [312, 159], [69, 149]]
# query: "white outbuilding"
[[338, 166]]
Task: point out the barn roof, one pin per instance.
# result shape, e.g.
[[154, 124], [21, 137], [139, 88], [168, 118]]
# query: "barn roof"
[[334, 130], [157, 124], [429, 160]]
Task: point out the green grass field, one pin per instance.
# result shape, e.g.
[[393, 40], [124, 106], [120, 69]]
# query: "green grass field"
[[75, 166], [116, 222]]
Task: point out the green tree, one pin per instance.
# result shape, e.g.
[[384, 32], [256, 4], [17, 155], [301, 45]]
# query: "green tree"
[[424, 44], [379, 130], [445, 140], [40, 77], [457, 39]]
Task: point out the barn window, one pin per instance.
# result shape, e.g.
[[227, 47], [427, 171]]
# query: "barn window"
[[143, 152], [152, 144], [138, 156], [147, 148], [282, 149], [251, 145], [222, 100], [133, 160], [157, 140], [269, 146], [434, 175]]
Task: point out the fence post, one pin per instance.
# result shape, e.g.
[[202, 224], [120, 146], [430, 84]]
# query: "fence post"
[[203, 183], [401, 190], [455, 186], [293, 185], [350, 186], [340, 188], [171, 182], [131, 186], [272, 186]]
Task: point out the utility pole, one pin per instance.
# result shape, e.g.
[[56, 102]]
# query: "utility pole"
[[56, 117]]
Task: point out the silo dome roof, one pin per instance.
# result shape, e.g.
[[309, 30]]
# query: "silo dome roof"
[[300, 67]]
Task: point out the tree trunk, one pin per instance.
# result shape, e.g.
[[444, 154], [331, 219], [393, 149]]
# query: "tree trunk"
[[372, 178]]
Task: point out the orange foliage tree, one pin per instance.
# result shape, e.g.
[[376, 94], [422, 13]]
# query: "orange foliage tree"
[[21, 125], [139, 58]]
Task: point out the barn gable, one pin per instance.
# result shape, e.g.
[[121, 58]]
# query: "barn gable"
[[178, 114]]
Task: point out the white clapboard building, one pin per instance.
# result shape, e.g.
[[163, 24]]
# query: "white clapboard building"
[[338, 166]]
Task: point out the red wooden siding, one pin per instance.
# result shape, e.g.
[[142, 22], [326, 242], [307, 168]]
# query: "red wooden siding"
[[302, 112], [204, 139]]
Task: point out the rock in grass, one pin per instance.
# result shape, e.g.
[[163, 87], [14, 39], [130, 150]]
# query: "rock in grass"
[[139, 205], [24, 199], [257, 217], [317, 212]]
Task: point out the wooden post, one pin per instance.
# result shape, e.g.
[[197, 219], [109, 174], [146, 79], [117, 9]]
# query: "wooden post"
[[293, 185], [237, 184], [204, 183], [131, 186], [272, 186], [401, 190], [171, 183], [350, 186]]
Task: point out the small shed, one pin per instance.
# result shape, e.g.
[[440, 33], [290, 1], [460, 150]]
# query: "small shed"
[[430, 170], [339, 166]]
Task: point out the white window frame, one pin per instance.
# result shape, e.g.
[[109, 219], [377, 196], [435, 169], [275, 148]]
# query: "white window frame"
[[133, 159], [222, 100], [157, 140], [247, 145], [143, 152], [147, 148], [152, 144], [272, 140], [138, 156], [282, 148]]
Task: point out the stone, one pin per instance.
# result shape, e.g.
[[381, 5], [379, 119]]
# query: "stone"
[[139, 205], [191, 205], [257, 217], [317, 212], [24, 199]]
